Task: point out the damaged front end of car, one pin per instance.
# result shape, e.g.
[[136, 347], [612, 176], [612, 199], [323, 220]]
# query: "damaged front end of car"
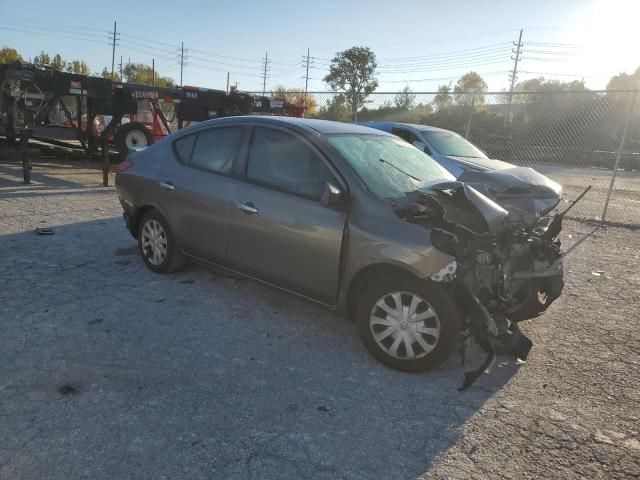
[[507, 267]]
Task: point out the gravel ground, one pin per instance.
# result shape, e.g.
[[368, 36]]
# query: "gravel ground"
[[110, 371], [624, 205]]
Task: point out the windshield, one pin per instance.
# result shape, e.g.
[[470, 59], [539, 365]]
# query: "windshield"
[[389, 166], [449, 143]]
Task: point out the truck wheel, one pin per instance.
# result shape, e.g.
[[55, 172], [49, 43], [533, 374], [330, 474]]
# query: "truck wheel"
[[132, 136], [407, 324]]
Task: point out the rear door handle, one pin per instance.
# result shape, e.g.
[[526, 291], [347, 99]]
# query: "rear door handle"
[[248, 208], [167, 185]]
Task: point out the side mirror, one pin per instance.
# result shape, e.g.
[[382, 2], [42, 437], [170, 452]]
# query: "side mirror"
[[331, 195]]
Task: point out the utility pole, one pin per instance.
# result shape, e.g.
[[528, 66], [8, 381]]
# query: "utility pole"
[[264, 75], [306, 84], [181, 60], [121, 68], [153, 72], [113, 43], [227, 82], [513, 75]]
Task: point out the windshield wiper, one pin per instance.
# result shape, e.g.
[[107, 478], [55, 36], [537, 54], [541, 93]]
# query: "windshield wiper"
[[400, 170]]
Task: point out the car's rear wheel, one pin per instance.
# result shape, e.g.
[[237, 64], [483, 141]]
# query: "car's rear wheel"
[[157, 244], [407, 324]]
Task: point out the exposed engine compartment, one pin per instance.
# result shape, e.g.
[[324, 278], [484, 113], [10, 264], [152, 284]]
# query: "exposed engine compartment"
[[507, 268]]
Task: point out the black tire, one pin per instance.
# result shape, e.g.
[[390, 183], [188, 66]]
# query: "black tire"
[[439, 299], [128, 130], [173, 259]]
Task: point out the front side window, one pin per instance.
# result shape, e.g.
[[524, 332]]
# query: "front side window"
[[282, 161], [388, 166], [215, 149]]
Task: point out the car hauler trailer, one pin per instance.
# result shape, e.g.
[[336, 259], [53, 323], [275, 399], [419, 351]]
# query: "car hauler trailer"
[[85, 112]]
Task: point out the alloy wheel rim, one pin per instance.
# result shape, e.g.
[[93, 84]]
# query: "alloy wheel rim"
[[154, 242], [404, 325]]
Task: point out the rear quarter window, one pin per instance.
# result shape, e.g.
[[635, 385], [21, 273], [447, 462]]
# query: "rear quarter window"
[[183, 148]]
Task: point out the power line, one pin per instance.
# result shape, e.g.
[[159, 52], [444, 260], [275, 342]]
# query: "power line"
[[48, 34], [444, 64], [560, 45], [31, 20], [565, 74], [422, 42], [464, 51], [433, 79], [223, 63], [206, 67]]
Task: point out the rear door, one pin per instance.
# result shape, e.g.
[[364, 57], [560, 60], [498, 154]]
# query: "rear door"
[[279, 230], [196, 187]]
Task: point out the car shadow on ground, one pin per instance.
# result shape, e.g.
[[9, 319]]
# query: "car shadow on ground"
[[107, 367]]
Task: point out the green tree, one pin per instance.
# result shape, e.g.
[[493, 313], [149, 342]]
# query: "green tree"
[[42, 59], [143, 75], [9, 55], [625, 81], [78, 66], [297, 97], [353, 72], [56, 62], [405, 100], [443, 98], [469, 89], [335, 109], [107, 74]]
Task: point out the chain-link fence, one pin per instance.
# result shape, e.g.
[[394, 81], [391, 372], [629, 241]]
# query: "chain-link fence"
[[573, 137]]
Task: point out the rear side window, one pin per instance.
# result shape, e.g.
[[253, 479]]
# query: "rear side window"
[[405, 135], [282, 161], [216, 149], [183, 147]]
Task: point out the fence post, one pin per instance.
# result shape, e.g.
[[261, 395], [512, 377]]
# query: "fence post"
[[619, 154], [105, 163], [468, 127], [25, 154]]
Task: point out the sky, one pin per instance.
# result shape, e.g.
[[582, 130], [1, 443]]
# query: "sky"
[[421, 43]]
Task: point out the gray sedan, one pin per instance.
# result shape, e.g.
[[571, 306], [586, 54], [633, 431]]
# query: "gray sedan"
[[350, 217]]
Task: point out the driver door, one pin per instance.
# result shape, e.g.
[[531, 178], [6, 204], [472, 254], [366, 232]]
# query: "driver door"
[[279, 230]]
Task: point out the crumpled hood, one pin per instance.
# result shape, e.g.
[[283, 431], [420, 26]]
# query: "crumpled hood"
[[521, 190]]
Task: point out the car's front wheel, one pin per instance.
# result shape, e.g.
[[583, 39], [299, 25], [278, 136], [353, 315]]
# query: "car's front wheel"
[[157, 244], [407, 324]]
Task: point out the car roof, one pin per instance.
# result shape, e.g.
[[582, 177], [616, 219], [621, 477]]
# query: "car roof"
[[391, 125], [320, 126]]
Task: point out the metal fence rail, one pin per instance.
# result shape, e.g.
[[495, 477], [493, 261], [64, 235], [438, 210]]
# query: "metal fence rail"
[[577, 138]]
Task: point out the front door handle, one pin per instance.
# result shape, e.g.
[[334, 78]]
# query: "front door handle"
[[248, 208], [167, 185]]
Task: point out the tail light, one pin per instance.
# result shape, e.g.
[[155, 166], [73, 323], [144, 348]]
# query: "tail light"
[[123, 165]]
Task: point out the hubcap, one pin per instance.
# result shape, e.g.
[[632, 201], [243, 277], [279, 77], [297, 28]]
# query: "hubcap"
[[404, 325], [135, 140], [154, 242]]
